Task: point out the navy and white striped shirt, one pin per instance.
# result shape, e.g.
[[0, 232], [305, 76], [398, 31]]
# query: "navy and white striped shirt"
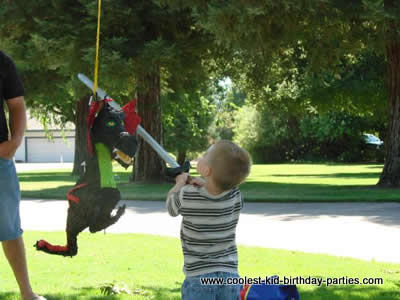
[[208, 230]]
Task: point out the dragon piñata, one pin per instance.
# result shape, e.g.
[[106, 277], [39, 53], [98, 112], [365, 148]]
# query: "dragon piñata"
[[111, 135]]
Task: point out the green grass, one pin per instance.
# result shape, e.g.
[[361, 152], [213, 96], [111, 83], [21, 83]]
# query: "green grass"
[[276, 182], [151, 266]]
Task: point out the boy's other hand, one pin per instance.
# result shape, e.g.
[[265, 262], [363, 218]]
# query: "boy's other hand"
[[182, 178], [197, 181]]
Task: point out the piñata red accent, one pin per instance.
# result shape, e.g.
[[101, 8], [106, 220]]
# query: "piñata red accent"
[[72, 197], [244, 292], [42, 244], [132, 119]]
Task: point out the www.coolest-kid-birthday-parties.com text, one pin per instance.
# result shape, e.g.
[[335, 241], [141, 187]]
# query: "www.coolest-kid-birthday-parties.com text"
[[297, 280]]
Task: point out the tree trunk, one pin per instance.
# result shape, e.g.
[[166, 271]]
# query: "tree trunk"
[[148, 166], [81, 151], [390, 176], [181, 157]]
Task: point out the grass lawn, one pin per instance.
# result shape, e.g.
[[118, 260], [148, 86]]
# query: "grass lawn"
[[275, 182], [151, 267]]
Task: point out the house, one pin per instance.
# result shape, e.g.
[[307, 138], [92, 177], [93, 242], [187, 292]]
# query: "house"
[[36, 147]]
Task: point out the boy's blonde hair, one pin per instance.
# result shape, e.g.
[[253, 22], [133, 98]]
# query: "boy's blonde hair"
[[230, 164]]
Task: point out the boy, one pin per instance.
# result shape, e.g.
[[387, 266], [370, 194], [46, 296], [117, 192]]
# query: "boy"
[[210, 207]]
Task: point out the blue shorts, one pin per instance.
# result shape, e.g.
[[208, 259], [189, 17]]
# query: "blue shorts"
[[10, 223], [192, 289]]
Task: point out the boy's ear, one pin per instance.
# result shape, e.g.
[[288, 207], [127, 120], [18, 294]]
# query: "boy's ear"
[[207, 171]]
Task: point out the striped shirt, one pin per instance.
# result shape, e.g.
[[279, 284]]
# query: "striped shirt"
[[208, 229]]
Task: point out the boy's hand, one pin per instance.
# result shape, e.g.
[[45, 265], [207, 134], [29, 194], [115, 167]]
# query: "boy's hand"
[[197, 181], [180, 180]]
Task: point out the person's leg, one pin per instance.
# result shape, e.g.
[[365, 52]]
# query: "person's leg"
[[192, 289], [15, 253], [10, 227]]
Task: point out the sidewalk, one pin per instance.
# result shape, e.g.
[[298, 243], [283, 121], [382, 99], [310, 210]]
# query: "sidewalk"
[[369, 231], [23, 167]]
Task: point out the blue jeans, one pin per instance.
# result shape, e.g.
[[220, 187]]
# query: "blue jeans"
[[10, 224], [192, 289]]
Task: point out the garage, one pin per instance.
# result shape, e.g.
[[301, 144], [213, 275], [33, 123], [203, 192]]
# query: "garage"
[[40, 149]]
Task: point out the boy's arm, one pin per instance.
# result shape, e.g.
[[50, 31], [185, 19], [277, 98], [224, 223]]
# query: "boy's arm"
[[173, 200], [241, 201], [197, 181]]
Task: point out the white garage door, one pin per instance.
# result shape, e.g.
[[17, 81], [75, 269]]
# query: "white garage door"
[[56, 150]]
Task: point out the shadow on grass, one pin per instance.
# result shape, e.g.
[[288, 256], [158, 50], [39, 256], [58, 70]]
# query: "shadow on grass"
[[58, 193], [136, 191], [89, 293], [344, 164], [254, 191], [84, 293], [334, 175], [164, 293], [43, 176], [342, 292], [298, 192], [375, 167], [62, 176], [350, 292]]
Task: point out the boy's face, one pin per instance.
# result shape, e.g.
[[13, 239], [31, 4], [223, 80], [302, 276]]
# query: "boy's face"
[[202, 164]]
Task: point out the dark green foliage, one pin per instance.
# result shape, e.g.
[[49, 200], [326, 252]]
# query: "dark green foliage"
[[333, 137], [274, 136], [358, 85], [301, 112], [52, 41], [143, 44]]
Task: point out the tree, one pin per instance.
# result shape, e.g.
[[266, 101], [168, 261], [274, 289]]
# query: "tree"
[[391, 172], [50, 48], [186, 121], [143, 45], [326, 31]]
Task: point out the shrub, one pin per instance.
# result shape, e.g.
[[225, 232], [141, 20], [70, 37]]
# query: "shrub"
[[279, 136]]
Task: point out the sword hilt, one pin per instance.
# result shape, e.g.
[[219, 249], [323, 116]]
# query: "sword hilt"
[[173, 172]]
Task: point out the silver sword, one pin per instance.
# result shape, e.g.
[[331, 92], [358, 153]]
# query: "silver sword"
[[139, 130]]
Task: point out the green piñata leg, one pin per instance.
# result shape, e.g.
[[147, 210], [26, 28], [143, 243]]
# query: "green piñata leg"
[[105, 166]]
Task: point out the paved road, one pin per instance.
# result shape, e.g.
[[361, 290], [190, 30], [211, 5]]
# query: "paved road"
[[361, 230]]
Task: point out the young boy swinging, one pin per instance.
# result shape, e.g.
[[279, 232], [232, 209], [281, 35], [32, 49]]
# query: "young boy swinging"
[[210, 207]]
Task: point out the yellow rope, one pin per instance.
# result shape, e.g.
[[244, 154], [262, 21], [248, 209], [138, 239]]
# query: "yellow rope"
[[96, 63]]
